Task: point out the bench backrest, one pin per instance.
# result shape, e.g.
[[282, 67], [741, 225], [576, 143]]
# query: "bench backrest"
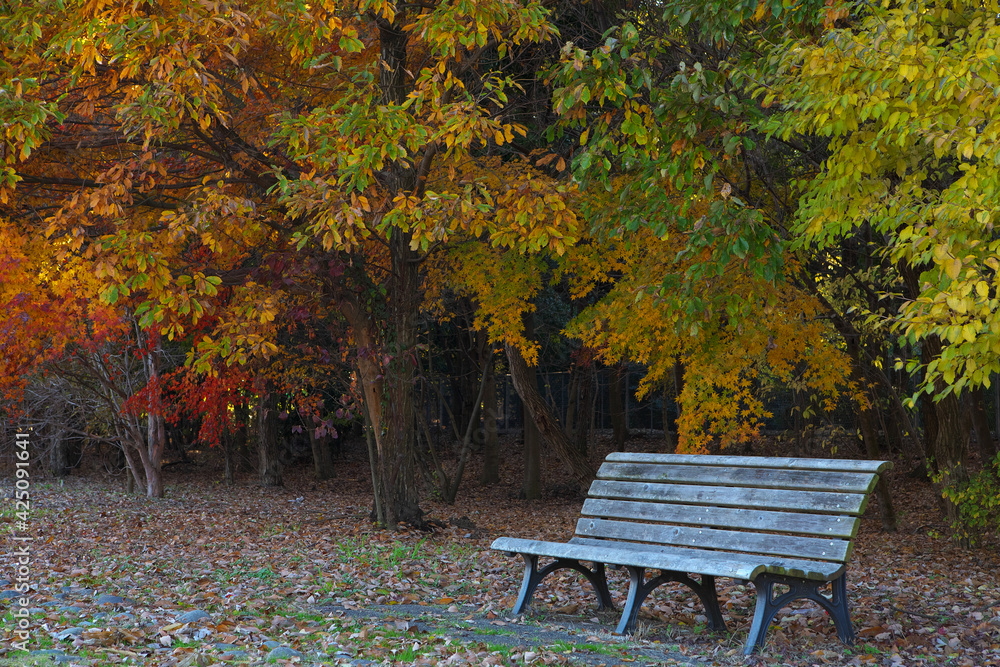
[[786, 507]]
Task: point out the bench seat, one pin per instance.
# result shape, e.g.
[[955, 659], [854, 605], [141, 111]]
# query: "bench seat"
[[773, 521], [701, 561]]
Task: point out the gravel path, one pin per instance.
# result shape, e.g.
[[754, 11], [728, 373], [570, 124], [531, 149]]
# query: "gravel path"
[[591, 642]]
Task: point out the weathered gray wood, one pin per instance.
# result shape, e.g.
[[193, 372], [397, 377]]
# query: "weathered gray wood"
[[765, 499], [787, 463], [812, 548], [792, 567], [713, 563], [764, 478], [676, 559], [826, 525]]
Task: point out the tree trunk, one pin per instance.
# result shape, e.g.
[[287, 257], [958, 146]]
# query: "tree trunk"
[[234, 442], [228, 452], [450, 486], [866, 419], [387, 370], [153, 463], [378, 513], [866, 422], [464, 385], [951, 441], [543, 418], [388, 391], [572, 400], [951, 444], [58, 453], [981, 425], [491, 442], [585, 407], [950, 447], [397, 456], [798, 420], [243, 436], [678, 388], [269, 467], [322, 457], [132, 466], [929, 415], [893, 432], [137, 453], [531, 486], [668, 437], [156, 427], [371, 380], [616, 394]]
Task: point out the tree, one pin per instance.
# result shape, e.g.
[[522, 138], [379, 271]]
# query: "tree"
[[219, 403], [726, 363], [903, 96], [687, 207], [179, 145], [505, 284], [53, 323]]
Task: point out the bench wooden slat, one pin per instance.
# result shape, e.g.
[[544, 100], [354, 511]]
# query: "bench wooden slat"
[[792, 567], [715, 563], [765, 499], [811, 548], [765, 478], [827, 525], [789, 463]]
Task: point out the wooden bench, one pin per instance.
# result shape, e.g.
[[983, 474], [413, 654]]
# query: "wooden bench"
[[778, 522]]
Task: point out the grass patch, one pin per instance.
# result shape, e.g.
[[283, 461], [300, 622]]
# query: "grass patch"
[[494, 632], [307, 616], [502, 649], [243, 569], [381, 555], [601, 649]]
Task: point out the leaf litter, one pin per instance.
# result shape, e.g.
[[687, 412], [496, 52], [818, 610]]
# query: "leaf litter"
[[298, 575]]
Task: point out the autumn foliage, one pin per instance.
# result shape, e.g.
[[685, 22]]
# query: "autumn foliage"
[[234, 212]]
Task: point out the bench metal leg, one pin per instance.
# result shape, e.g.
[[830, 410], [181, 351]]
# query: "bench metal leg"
[[768, 605], [533, 575], [639, 589]]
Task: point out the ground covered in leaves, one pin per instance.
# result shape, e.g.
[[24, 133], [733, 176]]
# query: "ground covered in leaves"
[[298, 575]]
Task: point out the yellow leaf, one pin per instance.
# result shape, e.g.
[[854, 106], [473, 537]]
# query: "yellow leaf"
[[953, 267]]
